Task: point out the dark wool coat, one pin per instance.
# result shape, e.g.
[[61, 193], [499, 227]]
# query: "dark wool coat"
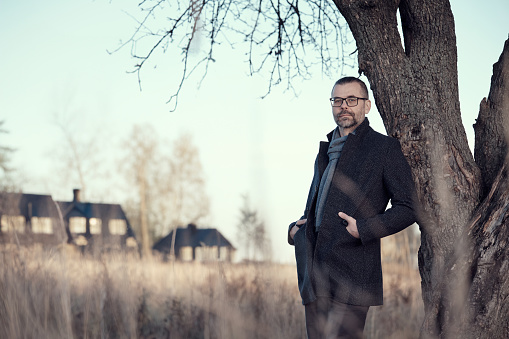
[[332, 263]]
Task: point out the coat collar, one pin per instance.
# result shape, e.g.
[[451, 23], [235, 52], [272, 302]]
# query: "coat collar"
[[353, 143], [359, 131]]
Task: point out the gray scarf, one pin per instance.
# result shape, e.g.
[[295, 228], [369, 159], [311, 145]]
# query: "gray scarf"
[[334, 152]]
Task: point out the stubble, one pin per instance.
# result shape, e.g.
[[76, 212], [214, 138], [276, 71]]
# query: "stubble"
[[345, 120]]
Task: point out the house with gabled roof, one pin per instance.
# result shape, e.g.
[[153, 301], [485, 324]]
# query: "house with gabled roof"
[[97, 227], [196, 244], [27, 219]]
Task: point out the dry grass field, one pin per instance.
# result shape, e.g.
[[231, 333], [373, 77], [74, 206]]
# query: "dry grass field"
[[58, 294]]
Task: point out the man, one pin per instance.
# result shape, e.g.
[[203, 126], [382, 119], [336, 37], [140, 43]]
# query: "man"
[[337, 240]]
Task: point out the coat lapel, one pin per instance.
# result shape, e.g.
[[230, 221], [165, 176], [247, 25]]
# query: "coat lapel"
[[323, 158], [348, 169]]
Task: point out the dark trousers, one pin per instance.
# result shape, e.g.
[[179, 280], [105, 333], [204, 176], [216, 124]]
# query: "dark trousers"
[[327, 319]]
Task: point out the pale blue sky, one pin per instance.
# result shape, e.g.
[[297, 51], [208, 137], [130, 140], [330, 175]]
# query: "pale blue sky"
[[54, 60]]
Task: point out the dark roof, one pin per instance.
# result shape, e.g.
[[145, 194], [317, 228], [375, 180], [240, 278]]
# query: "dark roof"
[[94, 210], [36, 205], [193, 237], [28, 205]]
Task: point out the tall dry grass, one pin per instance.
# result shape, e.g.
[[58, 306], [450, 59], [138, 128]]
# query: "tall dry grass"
[[58, 294]]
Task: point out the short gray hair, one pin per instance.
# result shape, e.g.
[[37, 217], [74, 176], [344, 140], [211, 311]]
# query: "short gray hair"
[[349, 80]]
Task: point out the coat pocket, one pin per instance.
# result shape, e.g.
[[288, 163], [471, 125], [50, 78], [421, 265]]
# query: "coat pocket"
[[337, 236], [300, 252], [347, 259]]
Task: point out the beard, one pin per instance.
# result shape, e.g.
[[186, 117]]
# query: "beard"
[[343, 122]]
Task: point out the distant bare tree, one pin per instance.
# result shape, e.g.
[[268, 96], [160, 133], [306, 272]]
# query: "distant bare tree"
[[262, 242], [170, 185], [4, 153], [6, 182], [138, 165], [182, 198], [251, 233], [77, 158]]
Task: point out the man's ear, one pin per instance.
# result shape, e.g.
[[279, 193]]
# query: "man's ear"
[[368, 106]]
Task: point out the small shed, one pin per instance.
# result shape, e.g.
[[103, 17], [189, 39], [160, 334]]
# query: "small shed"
[[196, 244], [27, 219]]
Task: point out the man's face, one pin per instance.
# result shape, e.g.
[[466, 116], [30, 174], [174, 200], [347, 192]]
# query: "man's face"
[[348, 118]]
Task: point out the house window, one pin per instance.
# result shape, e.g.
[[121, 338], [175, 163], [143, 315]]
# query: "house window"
[[206, 253], [186, 253], [131, 242], [223, 253], [117, 226], [81, 241], [95, 225], [78, 225], [13, 223], [199, 254], [42, 225]]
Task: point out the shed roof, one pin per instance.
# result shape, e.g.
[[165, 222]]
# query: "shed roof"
[[193, 237]]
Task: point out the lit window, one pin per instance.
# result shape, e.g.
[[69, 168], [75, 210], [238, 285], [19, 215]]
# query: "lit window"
[[186, 253], [131, 242], [117, 226], [199, 254], [78, 225], [42, 225], [95, 226], [13, 223], [224, 253], [206, 253], [81, 241]]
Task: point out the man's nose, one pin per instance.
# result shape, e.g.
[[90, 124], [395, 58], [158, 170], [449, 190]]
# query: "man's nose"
[[343, 104]]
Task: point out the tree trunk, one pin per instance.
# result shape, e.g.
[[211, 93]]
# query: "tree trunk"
[[490, 127], [489, 261], [488, 265], [145, 241], [416, 92]]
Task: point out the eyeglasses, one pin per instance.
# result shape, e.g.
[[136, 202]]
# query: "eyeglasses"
[[350, 101]]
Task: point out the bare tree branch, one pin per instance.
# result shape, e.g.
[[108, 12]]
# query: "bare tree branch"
[[285, 38]]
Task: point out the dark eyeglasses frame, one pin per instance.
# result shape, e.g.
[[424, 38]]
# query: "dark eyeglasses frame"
[[349, 104]]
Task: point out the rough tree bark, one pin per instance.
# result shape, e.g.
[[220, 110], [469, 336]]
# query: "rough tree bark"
[[489, 261], [416, 92], [490, 134]]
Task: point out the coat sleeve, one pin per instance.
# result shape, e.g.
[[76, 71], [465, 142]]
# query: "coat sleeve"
[[399, 185], [312, 191], [290, 240]]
